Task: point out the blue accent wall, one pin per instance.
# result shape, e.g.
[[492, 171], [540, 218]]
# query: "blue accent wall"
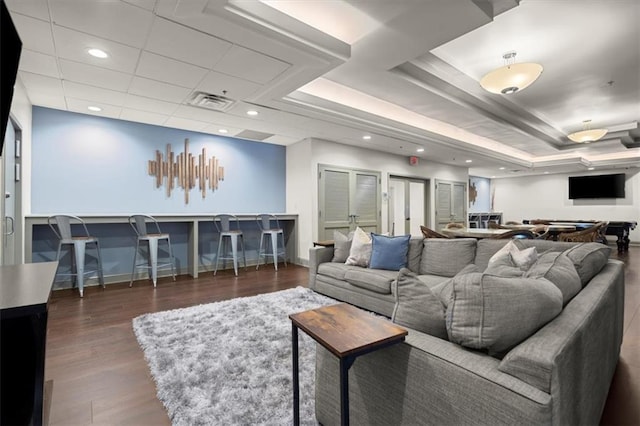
[[87, 164]]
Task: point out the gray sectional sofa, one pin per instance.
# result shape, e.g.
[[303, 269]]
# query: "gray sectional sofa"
[[559, 375]]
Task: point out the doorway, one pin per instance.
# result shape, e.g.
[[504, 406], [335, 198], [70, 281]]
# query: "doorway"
[[9, 205], [407, 205]]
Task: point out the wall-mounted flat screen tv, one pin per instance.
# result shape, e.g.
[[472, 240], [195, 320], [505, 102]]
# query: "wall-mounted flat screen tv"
[[598, 186]]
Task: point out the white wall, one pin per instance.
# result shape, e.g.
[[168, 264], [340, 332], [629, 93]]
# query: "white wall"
[[547, 197], [304, 157]]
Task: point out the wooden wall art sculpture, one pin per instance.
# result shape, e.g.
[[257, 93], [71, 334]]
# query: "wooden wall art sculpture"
[[185, 171]]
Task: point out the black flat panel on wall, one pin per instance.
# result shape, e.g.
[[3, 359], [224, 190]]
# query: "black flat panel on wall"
[[10, 48], [598, 186]]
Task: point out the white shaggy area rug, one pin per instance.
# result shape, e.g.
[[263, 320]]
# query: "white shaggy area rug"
[[229, 363]]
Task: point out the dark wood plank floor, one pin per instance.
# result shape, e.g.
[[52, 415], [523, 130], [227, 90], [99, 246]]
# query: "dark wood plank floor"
[[99, 374]]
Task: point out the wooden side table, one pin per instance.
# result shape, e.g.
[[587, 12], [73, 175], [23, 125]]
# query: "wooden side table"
[[347, 332]]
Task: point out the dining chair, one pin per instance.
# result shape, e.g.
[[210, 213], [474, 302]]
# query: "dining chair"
[[430, 233], [141, 225], [71, 231], [590, 234]]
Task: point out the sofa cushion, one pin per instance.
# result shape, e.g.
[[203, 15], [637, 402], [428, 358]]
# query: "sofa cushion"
[[360, 252], [446, 257], [334, 270], [503, 266], [341, 246], [496, 313], [417, 307], [559, 269], [589, 259], [377, 280], [432, 280], [389, 253]]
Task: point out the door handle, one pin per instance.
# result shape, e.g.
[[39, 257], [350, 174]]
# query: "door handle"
[[13, 227]]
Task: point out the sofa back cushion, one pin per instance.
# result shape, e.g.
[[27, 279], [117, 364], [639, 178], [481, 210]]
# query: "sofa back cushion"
[[446, 257], [414, 254], [589, 259], [496, 313]]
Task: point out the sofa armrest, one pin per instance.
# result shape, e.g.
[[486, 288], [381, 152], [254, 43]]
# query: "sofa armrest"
[[574, 356], [318, 255], [427, 380]]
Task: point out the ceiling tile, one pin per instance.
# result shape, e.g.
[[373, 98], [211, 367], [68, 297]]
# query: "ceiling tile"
[[42, 90], [158, 67], [236, 88], [250, 65], [112, 20], [282, 140], [94, 76], [92, 93], [74, 45], [254, 135], [34, 34], [185, 123], [148, 104], [142, 116], [81, 106], [158, 90], [35, 9], [38, 63], [170, 39], [145, 4]]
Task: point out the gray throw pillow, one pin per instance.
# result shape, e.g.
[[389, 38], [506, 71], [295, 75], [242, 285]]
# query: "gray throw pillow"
[[589, 259], [443, 290], [417, 307], [559, 269], [503, 266], [341, 246], [496, 313]]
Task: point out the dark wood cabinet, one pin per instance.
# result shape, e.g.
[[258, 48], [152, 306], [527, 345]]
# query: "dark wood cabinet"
[[24, 298]]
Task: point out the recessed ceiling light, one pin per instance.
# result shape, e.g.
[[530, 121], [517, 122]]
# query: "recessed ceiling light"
[[591, 168], [94, 108], [366, 137], [492, 177], [502, 168], [420, 150], [98, 53], [546, 173], [468, 161], [252, 112], [223, 131]]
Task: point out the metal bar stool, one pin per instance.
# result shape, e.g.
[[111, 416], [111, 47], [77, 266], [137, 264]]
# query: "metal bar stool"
[[265, 222], [139, 224], [223, 225], [61, 226]]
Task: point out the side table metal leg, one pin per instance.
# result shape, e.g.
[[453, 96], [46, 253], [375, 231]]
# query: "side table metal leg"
[[345, 363], [296, 378]]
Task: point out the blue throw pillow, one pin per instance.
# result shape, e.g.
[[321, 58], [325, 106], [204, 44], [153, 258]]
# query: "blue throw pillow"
[[389, 252]]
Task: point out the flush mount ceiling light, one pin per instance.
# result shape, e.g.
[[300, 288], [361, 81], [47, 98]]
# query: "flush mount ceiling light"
[[94, 108], [420, 150], [98, 53], [587, 134], [223, 131], [366, 137], [512, 77]]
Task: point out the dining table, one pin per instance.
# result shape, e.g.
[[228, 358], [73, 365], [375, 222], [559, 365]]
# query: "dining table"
[[472, 232]]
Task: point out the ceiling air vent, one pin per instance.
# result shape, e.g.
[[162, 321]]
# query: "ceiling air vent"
[[210, 101]]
